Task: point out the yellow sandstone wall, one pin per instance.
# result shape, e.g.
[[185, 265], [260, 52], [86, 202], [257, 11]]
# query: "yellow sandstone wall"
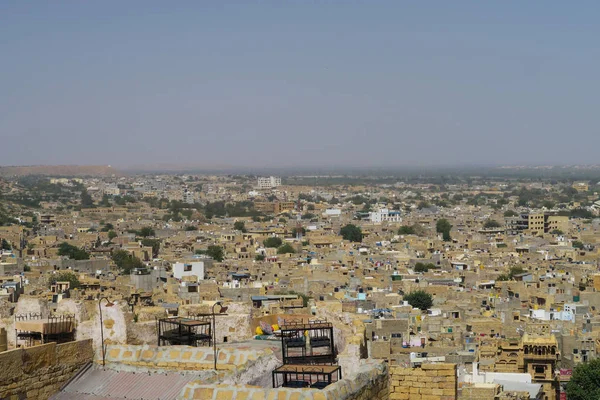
[[38, 372], [430, 382], [369, 383]]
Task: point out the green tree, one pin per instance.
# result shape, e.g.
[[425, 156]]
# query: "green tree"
[[443, 226], [577, 244], [557, 232], [352, 233], [73, 252], [512, 272], [490, 223], [406, 230], [259, 257], [216, 253], [107, 227], [510, 213], [112, 235], [581, 213], [239, 226], [126, 262], [66, 277], [295, 231], [419, 299], [86, 199], [6, 245], [285, 249], [272, 242], [105, 202], [420, 267], [154, 243], [584, 383], [146, 232]]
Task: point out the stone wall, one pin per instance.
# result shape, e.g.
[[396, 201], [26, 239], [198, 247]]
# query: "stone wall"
[[181, 358], [429, 382], [38, 372], [369, 383]]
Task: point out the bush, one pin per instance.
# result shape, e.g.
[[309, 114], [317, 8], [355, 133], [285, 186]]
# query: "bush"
[[352, 233], [259, 257], [272, 242], [510, 213], [419, 299], [577, 244]]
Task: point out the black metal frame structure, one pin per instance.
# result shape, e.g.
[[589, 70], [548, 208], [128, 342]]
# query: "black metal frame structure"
[[190, 331], [61, 329], [306, 376], [296, 350]]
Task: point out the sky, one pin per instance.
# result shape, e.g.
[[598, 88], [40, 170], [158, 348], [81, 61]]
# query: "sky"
[[299, 83]]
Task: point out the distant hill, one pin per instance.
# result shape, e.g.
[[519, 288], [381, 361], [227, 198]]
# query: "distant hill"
[[59, 170]]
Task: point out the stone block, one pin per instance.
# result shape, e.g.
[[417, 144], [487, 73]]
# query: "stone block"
[[38, 357]]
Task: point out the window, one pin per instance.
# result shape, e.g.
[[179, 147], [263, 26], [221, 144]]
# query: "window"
[[539, 369], [187, 267]]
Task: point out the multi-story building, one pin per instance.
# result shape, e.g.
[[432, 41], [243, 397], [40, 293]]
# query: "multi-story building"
[[268, 182], [384, 215], [274, 207], [537, 223]]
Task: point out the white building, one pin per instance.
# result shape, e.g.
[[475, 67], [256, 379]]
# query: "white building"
[[268, 182], [386, 215], [188, 196], [195, 268], [112, 190]]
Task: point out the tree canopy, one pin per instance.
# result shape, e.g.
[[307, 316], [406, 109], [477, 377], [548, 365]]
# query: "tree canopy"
[[443, 226], [421, 267], [86, 199], [272, 242], [239, 226], [419, 299], [66, 277], [352, 233], [286, 249], [515, 270], [584, 383], [406, 230], [490, 223], [146, 232], [126, 262], [215, 252], [73, 252]]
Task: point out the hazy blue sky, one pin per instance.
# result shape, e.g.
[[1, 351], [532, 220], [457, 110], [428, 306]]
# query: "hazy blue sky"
[[327, 83]]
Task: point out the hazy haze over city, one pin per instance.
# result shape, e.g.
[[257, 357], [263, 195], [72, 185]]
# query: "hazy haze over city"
[[281, 83]]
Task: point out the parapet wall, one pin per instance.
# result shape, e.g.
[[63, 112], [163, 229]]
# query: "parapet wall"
[[182, 358], [429, 382], [369, 383], [38, 372]]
